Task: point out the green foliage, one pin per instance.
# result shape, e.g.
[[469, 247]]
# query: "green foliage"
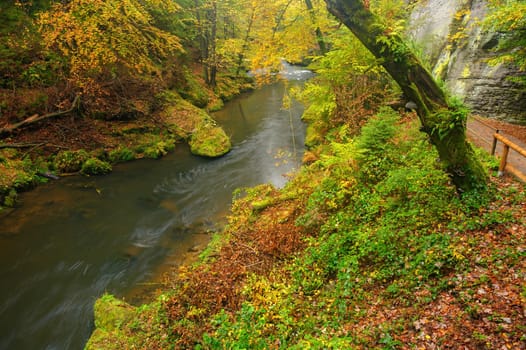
[[158, 149], [10, 198], [509, 17], [376, 207], [70, 161], [447, 120], [392, 23], [374, 145], [121, 154], [95, 166], [242, 334], [192, 91], [400, 197], [19, 43], [347, 58]]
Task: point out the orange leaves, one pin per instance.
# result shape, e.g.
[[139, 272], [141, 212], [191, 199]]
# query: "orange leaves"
[[253, 247]]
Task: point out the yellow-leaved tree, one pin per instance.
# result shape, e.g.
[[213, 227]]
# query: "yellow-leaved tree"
[[287, 29], [110, 48]]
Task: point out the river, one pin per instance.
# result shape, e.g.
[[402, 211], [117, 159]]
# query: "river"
[[76, 238]]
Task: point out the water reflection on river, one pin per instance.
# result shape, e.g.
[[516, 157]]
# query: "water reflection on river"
[[78, 237]]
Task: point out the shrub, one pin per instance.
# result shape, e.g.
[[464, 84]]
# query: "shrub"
[[10, 199], [121, 155], [158, 149], [374, 144]]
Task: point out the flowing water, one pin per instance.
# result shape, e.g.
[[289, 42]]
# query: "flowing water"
[[76, 238]]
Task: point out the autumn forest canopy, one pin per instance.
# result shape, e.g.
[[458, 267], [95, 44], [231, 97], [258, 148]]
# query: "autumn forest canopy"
[[393, 233], [117, 53]]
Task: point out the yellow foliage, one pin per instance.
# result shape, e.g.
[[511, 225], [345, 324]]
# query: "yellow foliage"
[[285, 29], [97, 36]]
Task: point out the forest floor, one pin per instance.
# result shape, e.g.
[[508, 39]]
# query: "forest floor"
[[481, 305]]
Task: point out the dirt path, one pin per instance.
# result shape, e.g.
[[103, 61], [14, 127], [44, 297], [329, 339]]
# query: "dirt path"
[[481, 130]]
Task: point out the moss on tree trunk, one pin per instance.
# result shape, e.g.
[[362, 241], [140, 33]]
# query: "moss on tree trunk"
[[444, 123]]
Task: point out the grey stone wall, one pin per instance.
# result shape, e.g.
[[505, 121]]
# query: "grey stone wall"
[[450, 34]]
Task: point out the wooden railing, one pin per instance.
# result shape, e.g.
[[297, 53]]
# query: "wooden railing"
[[507, 144]]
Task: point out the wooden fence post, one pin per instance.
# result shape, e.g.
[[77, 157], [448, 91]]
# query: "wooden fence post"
[[503, 159], [494, 145]]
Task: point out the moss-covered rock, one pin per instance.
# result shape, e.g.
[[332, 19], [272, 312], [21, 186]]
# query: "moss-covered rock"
[[195, 125], [180, 116], [104, 340], [209, 141], [95, 166], [122, 326], [70, 161], [111, 315]]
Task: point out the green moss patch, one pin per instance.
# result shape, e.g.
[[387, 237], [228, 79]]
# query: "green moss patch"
[[111, 315], [94, 166], [210, 141], [70, 161]]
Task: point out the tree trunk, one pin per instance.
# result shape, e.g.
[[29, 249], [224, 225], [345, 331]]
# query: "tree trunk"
[[244, 48], [203, 42], [212, 41], [319, 34], [444, 123]]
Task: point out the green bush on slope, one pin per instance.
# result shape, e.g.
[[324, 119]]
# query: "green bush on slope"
[[380, 223], [375, 210]]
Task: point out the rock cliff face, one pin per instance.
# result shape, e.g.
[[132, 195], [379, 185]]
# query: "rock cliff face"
[[458, 50]]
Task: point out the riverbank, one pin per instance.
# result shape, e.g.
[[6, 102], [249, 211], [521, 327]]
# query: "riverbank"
[[85, 236], [359, 250], [79, 144]]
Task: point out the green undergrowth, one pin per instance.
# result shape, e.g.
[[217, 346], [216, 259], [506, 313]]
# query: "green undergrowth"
[[381, 224], [382, 210], [18, 173], [136, 139], [180, 115]]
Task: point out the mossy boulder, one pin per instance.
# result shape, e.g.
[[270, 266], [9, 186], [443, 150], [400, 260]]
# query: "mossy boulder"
[[111, 316], [70, 161], [181, 116], [111, 313], [209, 141], [95, 166], [119, 325]]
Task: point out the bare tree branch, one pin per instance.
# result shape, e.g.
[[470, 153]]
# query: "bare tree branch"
[[36, 118]]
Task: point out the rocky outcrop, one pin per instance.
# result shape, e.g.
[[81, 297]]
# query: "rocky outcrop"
[[196, 126], [452, 38]]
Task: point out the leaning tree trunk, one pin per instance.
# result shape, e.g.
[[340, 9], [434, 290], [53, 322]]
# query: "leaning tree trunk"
[[445, 124]]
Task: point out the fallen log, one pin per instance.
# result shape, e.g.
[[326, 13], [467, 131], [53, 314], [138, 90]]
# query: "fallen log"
[[48, 175], [35, 118], [29, 145]]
